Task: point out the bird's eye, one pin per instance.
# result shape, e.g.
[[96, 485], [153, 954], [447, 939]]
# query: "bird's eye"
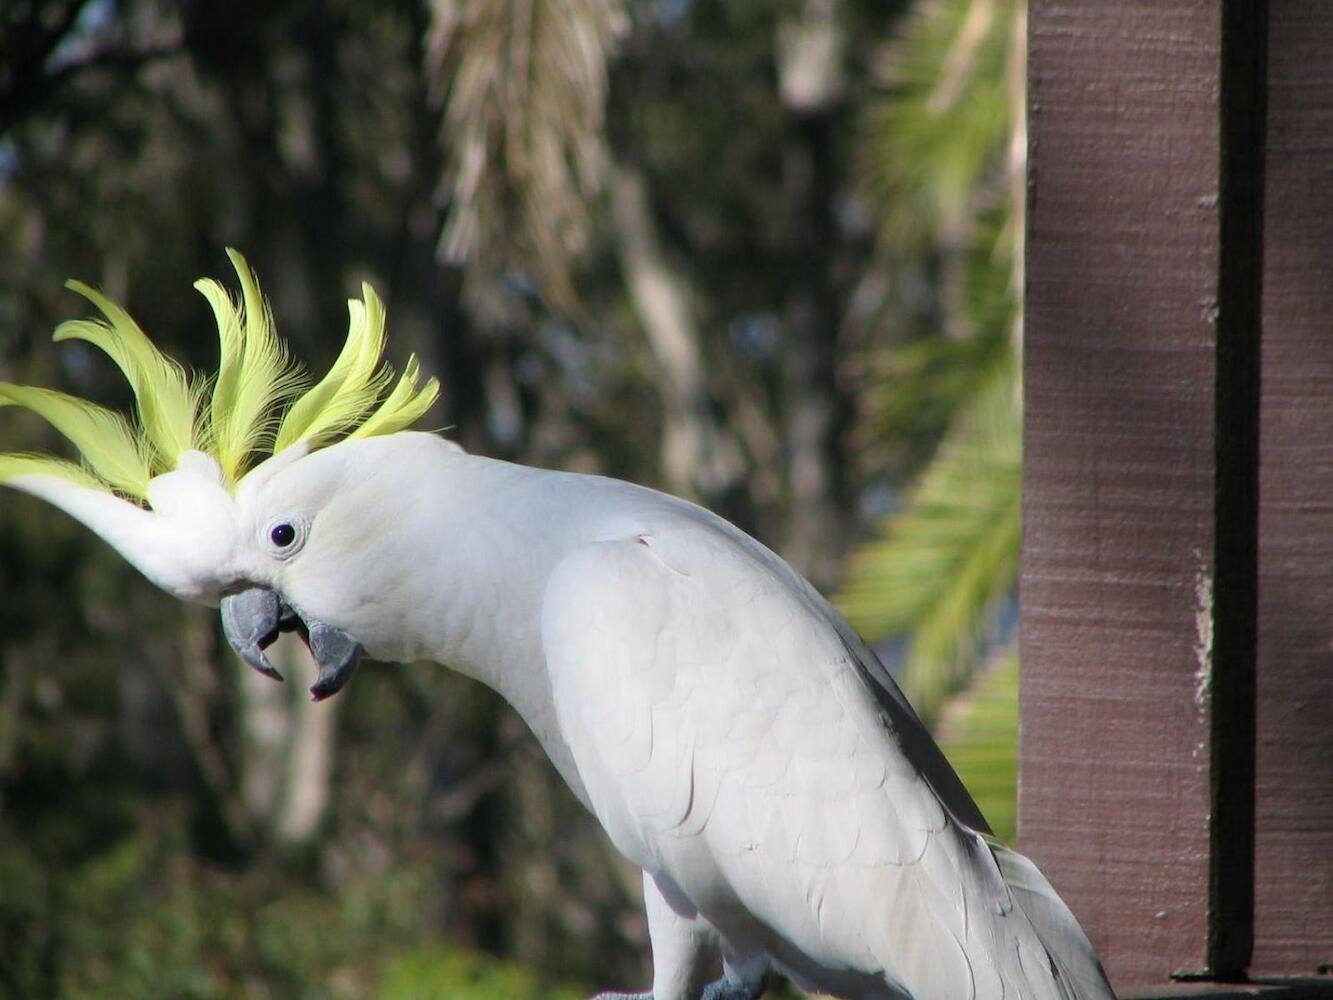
[[285, 537]]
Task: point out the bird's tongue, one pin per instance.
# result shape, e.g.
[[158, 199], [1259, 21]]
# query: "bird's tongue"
[[252, 621]]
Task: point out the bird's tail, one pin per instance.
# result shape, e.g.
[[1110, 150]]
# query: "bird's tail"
[[1077, 972]]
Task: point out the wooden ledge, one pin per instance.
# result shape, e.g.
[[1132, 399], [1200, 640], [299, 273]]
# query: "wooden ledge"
[[1274, 989]]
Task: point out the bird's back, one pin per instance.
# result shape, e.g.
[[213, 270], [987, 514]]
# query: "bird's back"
[[737, 738]]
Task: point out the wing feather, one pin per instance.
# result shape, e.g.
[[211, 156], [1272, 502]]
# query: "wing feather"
[[732, 737]]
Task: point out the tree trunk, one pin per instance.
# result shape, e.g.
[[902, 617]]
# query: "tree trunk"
[[810, 74], [289, 745], [698, 459], [308, 776]]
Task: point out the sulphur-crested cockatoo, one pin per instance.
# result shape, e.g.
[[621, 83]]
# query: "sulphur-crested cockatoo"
[[732, 734]]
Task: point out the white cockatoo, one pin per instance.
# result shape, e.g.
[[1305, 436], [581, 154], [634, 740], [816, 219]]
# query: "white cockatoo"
[[732, 734]]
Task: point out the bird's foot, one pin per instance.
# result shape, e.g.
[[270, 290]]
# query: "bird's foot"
[[722, 989], [725, 989]]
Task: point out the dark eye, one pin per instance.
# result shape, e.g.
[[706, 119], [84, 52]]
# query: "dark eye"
[[285, 536]]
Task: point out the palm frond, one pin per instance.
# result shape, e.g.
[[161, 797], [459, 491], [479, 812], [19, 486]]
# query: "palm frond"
[[938, 134], [940, 567], [978, 732], [914, 390], [523, 84]]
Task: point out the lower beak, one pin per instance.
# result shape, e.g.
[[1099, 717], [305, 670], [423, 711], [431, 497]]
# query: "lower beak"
[[252, 621]]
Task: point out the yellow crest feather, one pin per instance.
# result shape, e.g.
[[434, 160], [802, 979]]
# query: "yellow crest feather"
[[404, 406], [254, 372], [352, 387], [108, 443], [256, 379], [167, 406], [12, 466]]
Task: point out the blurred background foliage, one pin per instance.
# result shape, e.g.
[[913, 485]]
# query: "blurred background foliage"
[[764, 255]]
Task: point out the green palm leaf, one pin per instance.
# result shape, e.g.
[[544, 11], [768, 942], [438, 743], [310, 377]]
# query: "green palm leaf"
[[978, 732], [941, 567], [944, 172], [936, 136], [915, 390]]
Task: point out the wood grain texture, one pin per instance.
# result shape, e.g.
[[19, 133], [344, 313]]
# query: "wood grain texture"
[[1285, 989], [1119, 522], [1294, 795]]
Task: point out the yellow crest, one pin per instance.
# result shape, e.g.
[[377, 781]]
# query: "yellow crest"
[[258, 403]]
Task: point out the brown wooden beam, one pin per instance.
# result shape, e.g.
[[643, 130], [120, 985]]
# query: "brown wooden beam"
[[1139, 488], [1177, 759], [1293, 933], [1309, 989]]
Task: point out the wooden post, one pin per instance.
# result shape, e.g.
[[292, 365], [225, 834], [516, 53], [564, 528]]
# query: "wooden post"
[[1293, 917], [1139, 582], [1177, 586]]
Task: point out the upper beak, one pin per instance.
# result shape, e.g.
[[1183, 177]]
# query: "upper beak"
[[252, 621]]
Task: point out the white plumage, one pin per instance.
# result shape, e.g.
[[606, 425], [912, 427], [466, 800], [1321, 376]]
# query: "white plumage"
[[734, 737]]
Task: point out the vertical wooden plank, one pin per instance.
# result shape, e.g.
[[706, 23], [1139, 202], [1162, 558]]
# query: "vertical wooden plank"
[[1294, 810], [1120, 444]]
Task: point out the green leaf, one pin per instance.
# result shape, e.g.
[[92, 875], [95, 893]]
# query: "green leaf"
[[464, 975], [978, 732], [939, 132], [941, 567]]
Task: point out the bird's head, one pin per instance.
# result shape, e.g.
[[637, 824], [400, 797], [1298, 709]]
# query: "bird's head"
[[247, 490]]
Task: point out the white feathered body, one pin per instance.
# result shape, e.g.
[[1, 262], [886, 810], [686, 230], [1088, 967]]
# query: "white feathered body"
[[725, 725], [733, 736]]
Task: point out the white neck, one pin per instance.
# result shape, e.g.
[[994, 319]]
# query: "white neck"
[[497, 531]]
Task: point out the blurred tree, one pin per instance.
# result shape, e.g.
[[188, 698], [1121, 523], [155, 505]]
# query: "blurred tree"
[[523, 89], [303, 134], [629, 237], [944, 165]]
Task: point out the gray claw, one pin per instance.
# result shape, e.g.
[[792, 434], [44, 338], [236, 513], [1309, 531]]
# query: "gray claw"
[[721, 989], [251, 621], [725, 989]]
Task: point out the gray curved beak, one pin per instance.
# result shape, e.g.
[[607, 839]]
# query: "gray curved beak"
[[252, 621], [337, 655]]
